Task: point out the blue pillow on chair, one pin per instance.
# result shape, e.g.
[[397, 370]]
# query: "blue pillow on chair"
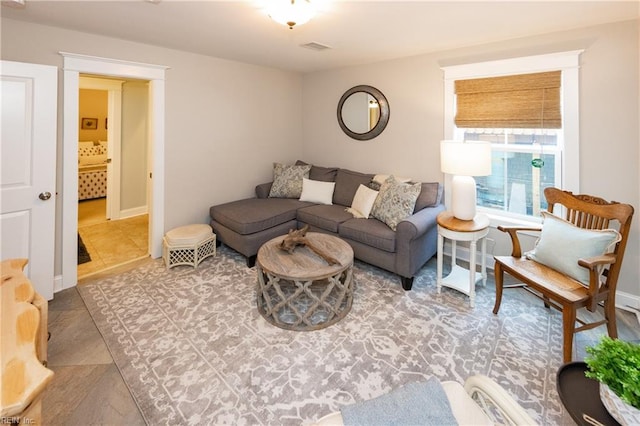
[[561, 244]]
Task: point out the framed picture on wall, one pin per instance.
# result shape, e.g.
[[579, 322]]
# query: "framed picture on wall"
[[89, 123]]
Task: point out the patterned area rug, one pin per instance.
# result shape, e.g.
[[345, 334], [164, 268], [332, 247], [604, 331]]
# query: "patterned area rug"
[[193, 348]]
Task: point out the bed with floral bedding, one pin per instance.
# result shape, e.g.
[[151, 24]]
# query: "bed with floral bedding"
[[92, 170]]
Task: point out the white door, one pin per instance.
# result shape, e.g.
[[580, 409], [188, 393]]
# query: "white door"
[[28, 173]]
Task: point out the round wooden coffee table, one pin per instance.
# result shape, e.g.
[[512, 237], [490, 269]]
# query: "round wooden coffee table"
[[300, 291]]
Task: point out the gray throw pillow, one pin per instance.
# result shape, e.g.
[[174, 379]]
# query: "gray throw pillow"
[[324, 174], [287, 180], [347, 183], [395, 202], [429, 196]]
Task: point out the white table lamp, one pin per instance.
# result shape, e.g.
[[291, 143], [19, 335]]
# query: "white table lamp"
[[464, 160]]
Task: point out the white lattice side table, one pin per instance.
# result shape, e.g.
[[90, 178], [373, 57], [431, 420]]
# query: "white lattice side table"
[[188, 245]]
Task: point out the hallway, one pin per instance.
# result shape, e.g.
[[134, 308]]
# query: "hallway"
[[110, 243]]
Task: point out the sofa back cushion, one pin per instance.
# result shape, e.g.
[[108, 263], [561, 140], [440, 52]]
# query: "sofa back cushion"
[[263, 190], [347, 183], [324, 174], [430, 195]]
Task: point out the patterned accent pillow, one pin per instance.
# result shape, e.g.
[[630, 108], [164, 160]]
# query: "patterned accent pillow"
[[395, 201], [287, 180]]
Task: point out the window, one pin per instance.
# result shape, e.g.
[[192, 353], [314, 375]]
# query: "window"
[[524, 162], [533, 149]]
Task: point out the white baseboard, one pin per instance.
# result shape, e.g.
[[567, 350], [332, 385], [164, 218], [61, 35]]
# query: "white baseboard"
[[628, 302], [462, 253], [136, 211], [58, 284]]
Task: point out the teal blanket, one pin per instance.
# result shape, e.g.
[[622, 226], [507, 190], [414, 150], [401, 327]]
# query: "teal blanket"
[[414, 404]]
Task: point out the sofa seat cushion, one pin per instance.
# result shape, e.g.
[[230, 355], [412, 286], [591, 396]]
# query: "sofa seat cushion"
[[371, 232], [327, 217], [256, 214]]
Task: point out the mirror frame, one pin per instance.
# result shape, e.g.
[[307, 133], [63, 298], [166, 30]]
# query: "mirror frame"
[[384, 112]]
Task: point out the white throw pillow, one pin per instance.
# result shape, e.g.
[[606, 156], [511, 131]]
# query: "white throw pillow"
[[561, 244], [362, 202], [316, 191]]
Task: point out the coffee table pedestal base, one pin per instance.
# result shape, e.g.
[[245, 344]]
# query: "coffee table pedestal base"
[[304, 305]]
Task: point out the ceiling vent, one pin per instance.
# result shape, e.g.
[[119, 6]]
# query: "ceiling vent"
[[315, 46]]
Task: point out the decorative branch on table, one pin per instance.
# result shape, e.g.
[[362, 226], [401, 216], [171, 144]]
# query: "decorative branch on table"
[[298, 238]]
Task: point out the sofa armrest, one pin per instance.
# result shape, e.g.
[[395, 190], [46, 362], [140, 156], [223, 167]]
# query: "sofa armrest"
[[262, 190], [416, 240], [418, 223]]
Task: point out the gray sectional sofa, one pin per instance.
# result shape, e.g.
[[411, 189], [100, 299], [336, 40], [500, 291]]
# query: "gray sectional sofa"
[[245, 225]]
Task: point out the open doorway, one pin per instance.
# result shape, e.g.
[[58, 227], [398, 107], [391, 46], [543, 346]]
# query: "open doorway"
[[74, 64], [113, 219]]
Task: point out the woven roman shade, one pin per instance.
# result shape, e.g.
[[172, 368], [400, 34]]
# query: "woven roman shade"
[[529, 101]]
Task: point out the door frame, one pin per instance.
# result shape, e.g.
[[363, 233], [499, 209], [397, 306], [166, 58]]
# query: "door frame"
[[114, 113], [74, 65]]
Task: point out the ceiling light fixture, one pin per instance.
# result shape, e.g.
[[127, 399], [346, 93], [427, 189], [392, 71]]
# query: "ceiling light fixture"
[[290, 12]]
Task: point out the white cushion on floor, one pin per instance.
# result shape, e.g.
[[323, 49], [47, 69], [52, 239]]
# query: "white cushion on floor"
[[188, 235]]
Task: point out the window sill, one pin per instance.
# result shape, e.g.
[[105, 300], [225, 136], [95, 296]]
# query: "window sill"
[[496, 219]]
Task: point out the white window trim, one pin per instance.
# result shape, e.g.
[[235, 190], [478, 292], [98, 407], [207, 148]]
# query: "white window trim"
[[568, 63]]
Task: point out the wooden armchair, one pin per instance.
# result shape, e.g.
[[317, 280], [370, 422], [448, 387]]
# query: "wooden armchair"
[[558, 288]]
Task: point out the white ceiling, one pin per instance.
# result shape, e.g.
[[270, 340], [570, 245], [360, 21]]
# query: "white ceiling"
[[357, 31]]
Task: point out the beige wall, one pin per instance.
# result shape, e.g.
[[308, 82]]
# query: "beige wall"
[[609, 117], [134, 148], [225, 121], [93, 104]]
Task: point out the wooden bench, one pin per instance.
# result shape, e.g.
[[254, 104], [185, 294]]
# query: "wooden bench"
[[23, 346]]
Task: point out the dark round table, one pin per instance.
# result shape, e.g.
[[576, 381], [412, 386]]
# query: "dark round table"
[[580, 395]]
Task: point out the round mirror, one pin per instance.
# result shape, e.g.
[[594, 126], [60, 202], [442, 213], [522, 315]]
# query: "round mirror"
[[363, 112]]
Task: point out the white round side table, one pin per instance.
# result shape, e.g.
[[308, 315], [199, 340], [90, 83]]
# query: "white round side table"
[[461, 279]]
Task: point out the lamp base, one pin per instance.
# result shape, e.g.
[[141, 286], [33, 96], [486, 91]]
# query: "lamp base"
[[463, 197]]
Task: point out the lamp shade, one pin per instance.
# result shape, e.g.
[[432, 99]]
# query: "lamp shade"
[[465, 160], [468, 158]]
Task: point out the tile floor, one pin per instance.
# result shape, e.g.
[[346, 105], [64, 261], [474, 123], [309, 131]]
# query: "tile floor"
[[110, 242], [87, 388]]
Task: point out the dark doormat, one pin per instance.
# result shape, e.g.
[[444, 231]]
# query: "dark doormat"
[[83, 254]]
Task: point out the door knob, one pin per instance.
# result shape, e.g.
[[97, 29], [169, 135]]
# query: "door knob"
[[44, 196]]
